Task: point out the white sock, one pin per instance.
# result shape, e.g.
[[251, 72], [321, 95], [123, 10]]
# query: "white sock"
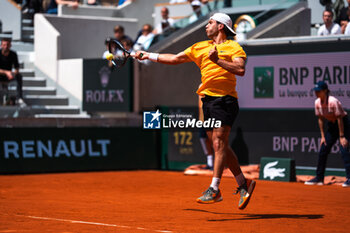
[[240, 179], [210, 160], [215, 182]]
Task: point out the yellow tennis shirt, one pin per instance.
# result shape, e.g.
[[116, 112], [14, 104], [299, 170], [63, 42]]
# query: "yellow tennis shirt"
[[216, 81]]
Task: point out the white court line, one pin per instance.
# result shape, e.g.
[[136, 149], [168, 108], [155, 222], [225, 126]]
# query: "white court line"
[[93, 223]]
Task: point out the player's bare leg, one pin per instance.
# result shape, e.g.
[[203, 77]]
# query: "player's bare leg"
[[246, 186], [213, 194], [220, 145], [232, 162], [224, 155]]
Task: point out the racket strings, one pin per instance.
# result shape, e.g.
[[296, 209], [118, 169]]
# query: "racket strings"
[[120, 56], [121, 60]]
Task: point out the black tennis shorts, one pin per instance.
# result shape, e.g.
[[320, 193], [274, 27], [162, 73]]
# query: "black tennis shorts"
[[223, 108]]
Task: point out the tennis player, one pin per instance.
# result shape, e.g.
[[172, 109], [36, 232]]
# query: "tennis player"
[[219, 60]]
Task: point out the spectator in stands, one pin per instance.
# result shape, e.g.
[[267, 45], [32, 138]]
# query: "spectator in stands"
[[92, 2], [146, 38], [329, 110], [343, 17], [347, 28], [52, 8], [328, 28], [166, 24], [119, 33], [196, 6], [343, 25], [9, 60], [125, 40], [127, 43], [337, 6]]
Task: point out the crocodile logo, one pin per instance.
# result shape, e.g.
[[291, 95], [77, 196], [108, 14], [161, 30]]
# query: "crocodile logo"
[[273, 172]]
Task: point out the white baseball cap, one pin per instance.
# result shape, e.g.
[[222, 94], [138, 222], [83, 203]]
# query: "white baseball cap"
[[196, 3], [224, 19]]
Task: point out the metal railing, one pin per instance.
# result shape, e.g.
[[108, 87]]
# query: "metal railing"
[[217, 5]]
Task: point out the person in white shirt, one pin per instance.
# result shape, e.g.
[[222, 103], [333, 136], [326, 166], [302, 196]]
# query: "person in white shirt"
[[146, 38], [197, 13], [328, 28], [166, 23], [347, 30]]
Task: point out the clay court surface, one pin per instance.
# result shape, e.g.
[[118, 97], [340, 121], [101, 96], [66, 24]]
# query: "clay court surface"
[[156, 201]]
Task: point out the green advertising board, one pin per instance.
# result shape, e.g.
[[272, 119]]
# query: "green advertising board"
[[277, 169], [263, 82]]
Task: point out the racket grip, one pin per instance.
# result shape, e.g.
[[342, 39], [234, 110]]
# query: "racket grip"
[[133, 54]]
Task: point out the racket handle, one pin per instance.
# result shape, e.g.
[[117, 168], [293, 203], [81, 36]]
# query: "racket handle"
[[133, 54]]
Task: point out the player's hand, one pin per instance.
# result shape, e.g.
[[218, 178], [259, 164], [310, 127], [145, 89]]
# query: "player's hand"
[[9, 75], [141, 55], [323, 141], [213, 55], [344, 142]]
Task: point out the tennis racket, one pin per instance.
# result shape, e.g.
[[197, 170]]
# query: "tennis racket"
[[120, 54]]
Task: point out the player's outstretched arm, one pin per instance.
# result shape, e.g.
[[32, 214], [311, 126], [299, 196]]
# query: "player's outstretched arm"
[[166, 58]]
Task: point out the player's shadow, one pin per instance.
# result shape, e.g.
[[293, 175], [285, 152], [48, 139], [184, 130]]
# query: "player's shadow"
[[247, 216]]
